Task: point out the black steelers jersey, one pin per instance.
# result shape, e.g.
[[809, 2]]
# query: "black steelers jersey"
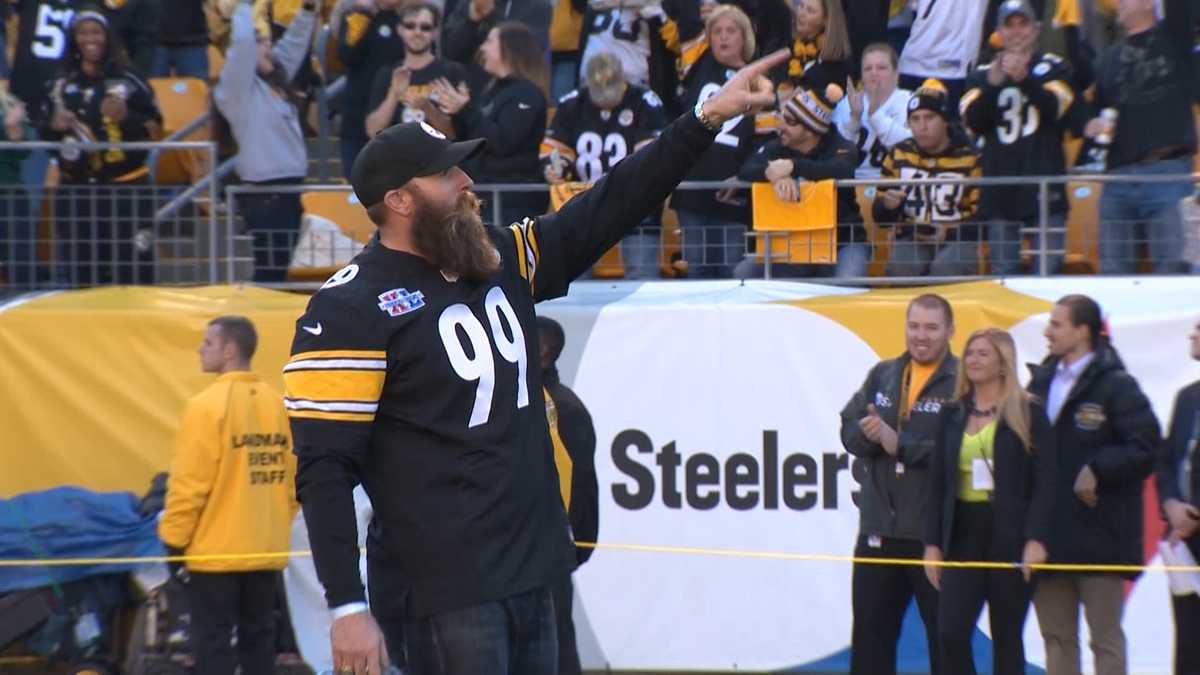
[[41, 43], [927, 206], [702, 78], [420, 87], [427, 390], [1022, 126], [593, 140]]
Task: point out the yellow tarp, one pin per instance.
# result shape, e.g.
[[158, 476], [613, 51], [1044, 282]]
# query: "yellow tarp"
[[94, 381]]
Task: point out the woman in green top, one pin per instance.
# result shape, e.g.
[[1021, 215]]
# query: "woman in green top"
[[990, 500]]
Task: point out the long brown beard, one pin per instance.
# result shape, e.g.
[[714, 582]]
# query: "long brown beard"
[[456, 242]]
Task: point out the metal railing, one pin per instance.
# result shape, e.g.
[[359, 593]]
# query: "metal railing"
[[88, 233], [276, 257]]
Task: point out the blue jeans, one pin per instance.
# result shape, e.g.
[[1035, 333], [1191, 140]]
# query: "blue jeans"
[[712, 246], [180, 62], [514, 635], [563, 77], [1005, 240], [1126, 206], [273, 219]]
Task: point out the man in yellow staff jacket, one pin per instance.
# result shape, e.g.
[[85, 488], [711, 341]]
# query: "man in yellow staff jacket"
[[231, 492]]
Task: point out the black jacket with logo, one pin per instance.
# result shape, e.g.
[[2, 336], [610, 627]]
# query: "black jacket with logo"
[[1172, 472], [1023, 498], [1106, 423], [894, 500]]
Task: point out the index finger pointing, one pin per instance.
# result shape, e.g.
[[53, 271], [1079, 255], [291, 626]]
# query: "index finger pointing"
[[761, 66]]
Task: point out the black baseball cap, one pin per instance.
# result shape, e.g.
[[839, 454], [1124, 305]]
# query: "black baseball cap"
[[1011, 7], [402, 152]]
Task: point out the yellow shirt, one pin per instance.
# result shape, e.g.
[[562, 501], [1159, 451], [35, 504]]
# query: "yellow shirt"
[[919, 374], [232, 485], [979, 445]]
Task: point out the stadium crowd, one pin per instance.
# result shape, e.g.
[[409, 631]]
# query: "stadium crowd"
[[564, 89]]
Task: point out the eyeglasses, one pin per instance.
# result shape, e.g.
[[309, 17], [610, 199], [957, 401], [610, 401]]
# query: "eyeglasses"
[[423, 27]]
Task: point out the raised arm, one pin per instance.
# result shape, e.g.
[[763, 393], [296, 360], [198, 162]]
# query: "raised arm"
[[592, 222]]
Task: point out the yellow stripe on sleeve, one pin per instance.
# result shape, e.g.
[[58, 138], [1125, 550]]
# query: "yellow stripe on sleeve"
[[550, 144], [340, 354], [333, 416], [967, 99], [1063, 93], [519, 244], [334, 385]]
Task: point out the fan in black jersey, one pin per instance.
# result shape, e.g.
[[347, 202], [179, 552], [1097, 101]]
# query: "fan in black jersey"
[[414, 371], [42, 39], [594, 129], [1021, 104], [714, 222], [98, 99], [402, 94], [597, 127]]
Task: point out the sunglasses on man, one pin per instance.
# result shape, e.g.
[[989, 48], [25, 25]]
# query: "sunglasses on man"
[[423, 27]]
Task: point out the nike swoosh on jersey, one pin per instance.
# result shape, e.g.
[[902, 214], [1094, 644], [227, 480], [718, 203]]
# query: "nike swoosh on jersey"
[[524, 106], [315, 330]]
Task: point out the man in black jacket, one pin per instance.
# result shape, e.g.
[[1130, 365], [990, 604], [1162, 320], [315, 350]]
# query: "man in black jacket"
[[583, 513], [1107, 437], [1179, 489], [890, 425], [412, 373]]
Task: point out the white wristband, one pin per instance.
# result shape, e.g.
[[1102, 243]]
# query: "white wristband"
[[348, 609]]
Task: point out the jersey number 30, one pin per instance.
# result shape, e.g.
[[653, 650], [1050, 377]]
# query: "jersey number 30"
[[481, 367]]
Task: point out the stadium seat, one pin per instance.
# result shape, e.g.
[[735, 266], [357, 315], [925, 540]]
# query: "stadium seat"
[[335, 227], [881, 237], [1083, 227], [182, 100]]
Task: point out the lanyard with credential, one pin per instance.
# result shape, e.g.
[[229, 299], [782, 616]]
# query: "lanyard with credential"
[[902, 409]]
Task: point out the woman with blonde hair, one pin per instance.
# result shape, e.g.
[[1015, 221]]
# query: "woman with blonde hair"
[[991, 499], [714, 222]]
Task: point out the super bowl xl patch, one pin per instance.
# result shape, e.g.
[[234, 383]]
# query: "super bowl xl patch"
[[399, 301]]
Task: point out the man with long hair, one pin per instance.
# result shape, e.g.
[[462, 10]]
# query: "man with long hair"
[[414, 372], [1107, 438], [889, 425]]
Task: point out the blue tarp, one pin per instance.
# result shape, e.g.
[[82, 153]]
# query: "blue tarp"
[[70, 522]]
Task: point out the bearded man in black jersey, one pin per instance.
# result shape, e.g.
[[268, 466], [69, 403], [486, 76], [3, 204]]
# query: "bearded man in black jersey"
[[413, 371]]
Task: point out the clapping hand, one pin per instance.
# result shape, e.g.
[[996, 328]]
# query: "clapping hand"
[[878, 431], [448, 98], [854, 98]]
